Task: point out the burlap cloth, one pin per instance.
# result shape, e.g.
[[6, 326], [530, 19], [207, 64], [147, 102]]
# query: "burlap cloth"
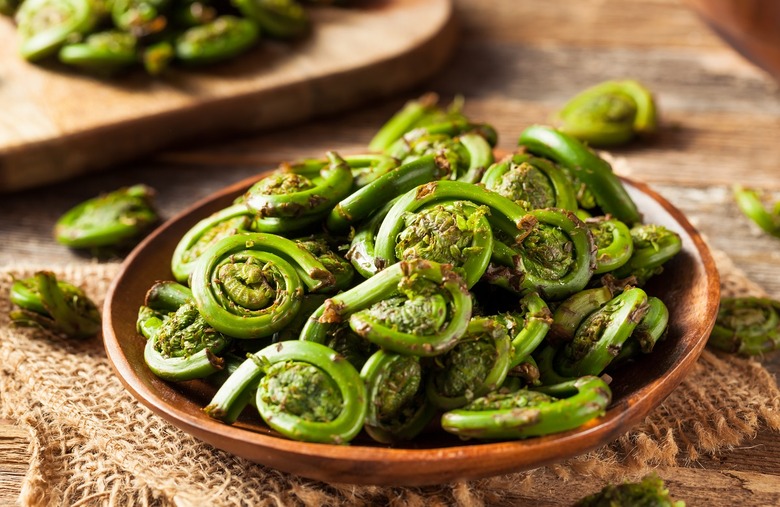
[[93, 444]]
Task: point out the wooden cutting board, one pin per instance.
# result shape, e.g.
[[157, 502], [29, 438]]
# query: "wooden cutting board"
[[56, 123]]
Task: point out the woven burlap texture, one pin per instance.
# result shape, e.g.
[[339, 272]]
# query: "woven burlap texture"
[[93, 444]]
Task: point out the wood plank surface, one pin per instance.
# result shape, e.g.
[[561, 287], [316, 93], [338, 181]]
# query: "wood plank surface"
[[515, 63], [57, 123]]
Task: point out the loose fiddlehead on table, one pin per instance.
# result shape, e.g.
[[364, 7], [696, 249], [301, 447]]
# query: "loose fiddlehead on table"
[[251, 285], [56, 306], [609, 114], [526, 413], [110, 221], [747, 326], [751, 203]]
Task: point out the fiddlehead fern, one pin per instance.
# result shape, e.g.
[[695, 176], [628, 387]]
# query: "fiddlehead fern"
[[477, 365], [305, 391], [527, 327], [456, 233], [467, 156], [613, 242], [46, 25], [222, 224], [413, 114], [751, 203], [296, 192], [600, 337], [585, 165], [109, 221], [398, 409], [280, 19], [102, 52], [553, 255], [361, 203], [403, 323], [654, 246], [747, 326], [570, 313], [651, 329], [650, 491], [531, 182], [180, 345], [339, 267], [528, 413], [223, 38], [251, 285], [56, 306], [362, 249], [609, 114]]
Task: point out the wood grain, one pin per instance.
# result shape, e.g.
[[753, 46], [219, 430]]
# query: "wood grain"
[[57, 124]]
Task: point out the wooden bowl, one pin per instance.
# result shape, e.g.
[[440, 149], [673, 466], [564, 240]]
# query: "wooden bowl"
[[689, 286]]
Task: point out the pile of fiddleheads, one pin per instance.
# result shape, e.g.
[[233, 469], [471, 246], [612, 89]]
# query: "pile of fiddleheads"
[[421, 284], [105, 37]]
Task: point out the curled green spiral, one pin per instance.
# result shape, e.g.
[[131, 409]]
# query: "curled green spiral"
[[304, 390], [398, 409], [601, 335], [112, 220], [528, 413], [613, 241], [393, 309], [747, 326], [477, 365], [609, 114], [251, 285], [654, 246], [586, 166], [227, 222], [180, 344], [450, 232], [532, 182], [294, 192], [57, 306], [553, 254]]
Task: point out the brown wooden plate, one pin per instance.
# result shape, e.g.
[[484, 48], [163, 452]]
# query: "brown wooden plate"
[[689, 286]]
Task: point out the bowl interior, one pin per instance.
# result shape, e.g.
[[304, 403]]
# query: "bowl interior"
[[689, 286]]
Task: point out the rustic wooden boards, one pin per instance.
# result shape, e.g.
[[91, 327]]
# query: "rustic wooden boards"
[[56, 124]]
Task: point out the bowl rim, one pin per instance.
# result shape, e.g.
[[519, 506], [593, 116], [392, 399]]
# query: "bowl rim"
[[355, 463]]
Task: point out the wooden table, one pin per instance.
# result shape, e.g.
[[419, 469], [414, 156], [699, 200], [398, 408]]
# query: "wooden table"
[[518, 61]]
